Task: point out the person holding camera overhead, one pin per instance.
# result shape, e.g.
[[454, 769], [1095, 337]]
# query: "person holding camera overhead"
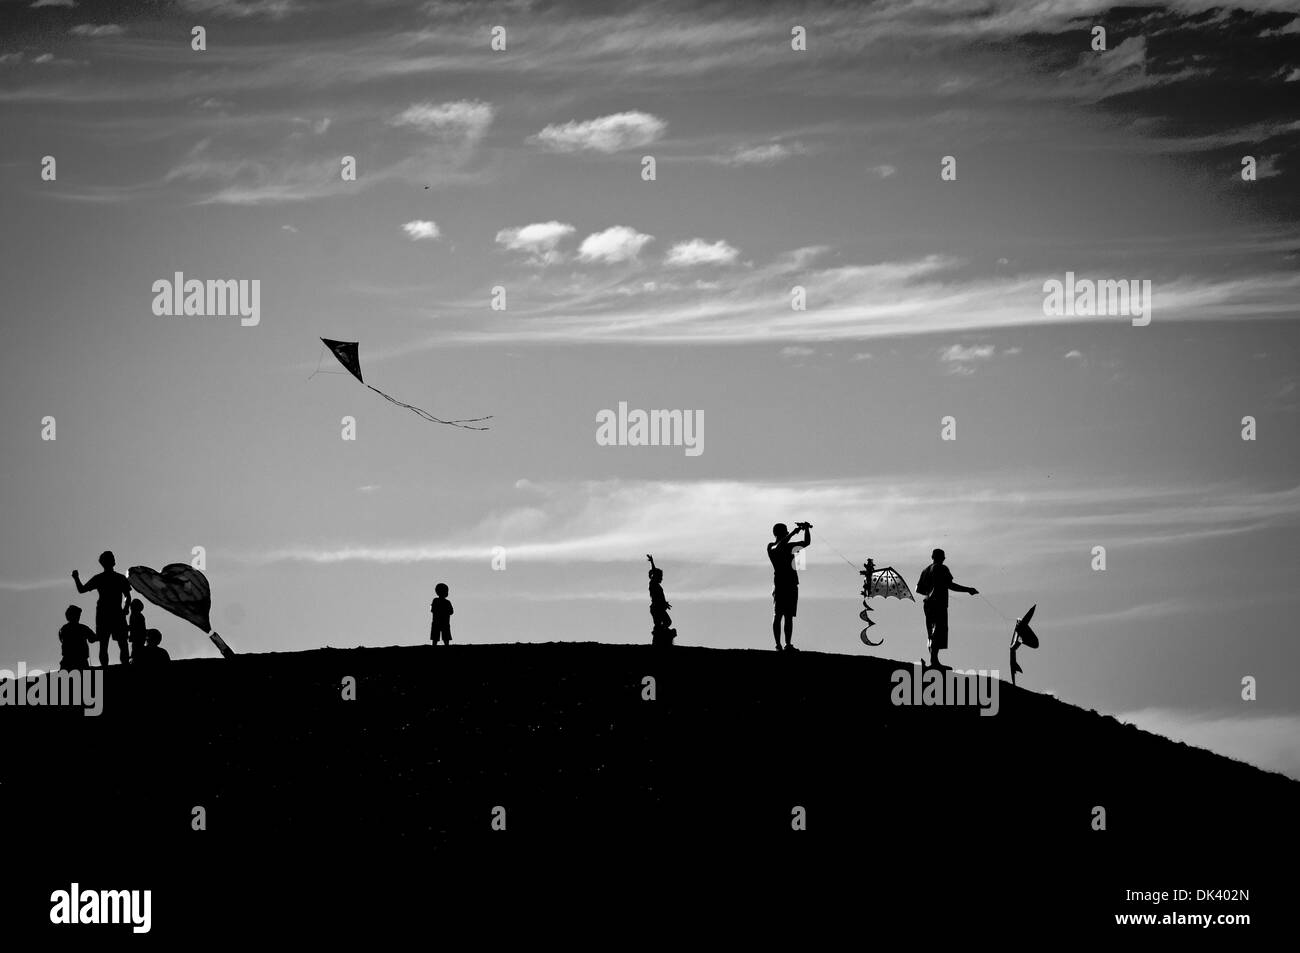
[[785, 579]]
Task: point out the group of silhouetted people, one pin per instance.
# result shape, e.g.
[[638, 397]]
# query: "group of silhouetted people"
[[118, 617], [934, 585]]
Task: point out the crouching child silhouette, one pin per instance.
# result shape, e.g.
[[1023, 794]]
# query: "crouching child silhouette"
[[154, 654], [662, 631], [442, 611], [75, 639]]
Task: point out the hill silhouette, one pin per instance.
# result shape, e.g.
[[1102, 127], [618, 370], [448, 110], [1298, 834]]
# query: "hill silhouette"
[[560, 735]]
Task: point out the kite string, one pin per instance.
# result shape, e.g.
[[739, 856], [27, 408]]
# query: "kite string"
[[1005, 617], [320, 356], [823, 538]]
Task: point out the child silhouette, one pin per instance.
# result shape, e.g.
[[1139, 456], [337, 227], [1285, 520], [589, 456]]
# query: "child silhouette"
[[441, 610], [75, 638], [662, 632], [136, 629]]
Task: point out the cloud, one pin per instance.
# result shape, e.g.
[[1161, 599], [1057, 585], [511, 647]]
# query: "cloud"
[[468, 118], [961, 360], [699, 252], [289, 228], [317, 126], [605, 521], [607, 134], [1265, 168], [861, 356], [420, 229], [797, 350], [242, 9], [93, 30], [14, 585], [539, 241], [765, 154], [851, 302], [41, 59], [959, 354], [1074, 355], [53, 3], [884, 171], [427, 142], [613, 245]]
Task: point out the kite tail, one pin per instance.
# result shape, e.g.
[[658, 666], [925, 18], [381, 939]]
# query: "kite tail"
[[463, 422]]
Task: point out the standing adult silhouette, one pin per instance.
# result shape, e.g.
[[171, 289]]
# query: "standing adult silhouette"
[[785, 579], [935, 583], [110, 611]]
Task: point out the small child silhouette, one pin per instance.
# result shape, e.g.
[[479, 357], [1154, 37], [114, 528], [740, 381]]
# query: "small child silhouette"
[[136, 629], [662, 631], [153, 654], [75, 639], [442, 612]]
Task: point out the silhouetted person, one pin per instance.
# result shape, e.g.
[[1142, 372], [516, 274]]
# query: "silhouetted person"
[[442, 611], [153, 654], [662, 632], [785, 579], [135, 627], [935, 583], [75, 639], [110, 611]]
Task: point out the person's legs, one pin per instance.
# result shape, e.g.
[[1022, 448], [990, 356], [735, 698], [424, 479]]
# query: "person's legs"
[[123, 653], [791, 610], [776, 628], [938, 635], [103, 650]]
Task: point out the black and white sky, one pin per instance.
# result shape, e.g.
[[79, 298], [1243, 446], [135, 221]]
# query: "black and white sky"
[[774, 167]]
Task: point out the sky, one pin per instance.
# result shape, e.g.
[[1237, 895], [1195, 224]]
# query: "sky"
[[523, 169]]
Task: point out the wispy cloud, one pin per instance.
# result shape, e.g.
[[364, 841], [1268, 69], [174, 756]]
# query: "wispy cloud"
[[243, 9], [13, 585], [697, 251], [626, 130], [768, 153], [426, 142], [97, 30], [925, 295], [605, 521], [468, 118]]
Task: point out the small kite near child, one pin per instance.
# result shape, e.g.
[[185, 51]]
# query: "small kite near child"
[[349, 355]]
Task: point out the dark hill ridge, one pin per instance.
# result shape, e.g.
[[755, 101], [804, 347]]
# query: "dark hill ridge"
[[560, 735]]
